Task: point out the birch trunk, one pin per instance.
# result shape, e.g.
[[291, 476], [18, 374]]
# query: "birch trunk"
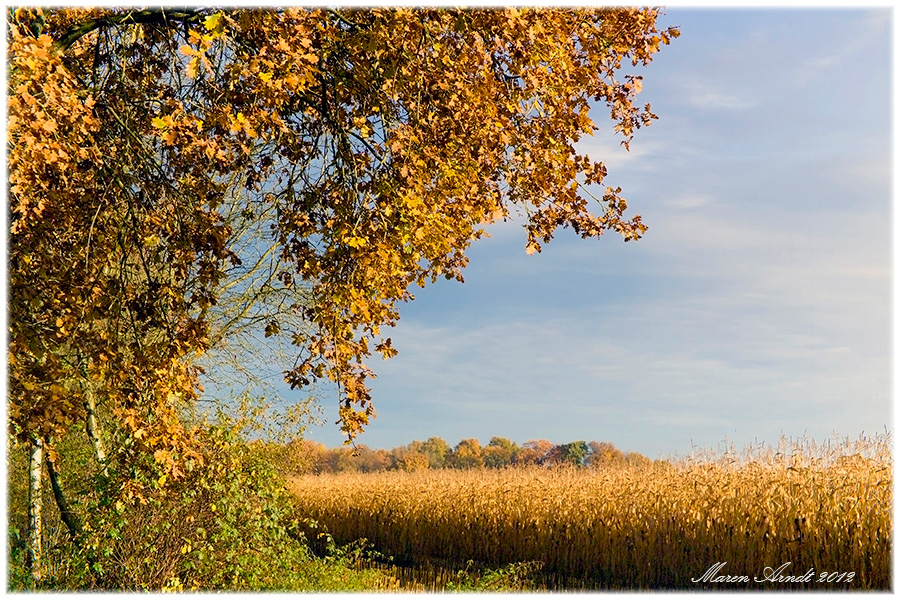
[[33, 556], [93, 429]]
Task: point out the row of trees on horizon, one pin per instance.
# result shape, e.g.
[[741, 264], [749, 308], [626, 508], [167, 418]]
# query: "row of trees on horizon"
[[310, 457]]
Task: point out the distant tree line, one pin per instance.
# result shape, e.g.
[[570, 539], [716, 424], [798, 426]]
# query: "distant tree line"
[[307, 456]]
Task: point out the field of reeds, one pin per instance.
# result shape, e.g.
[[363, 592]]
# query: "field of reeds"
[[799, 516]]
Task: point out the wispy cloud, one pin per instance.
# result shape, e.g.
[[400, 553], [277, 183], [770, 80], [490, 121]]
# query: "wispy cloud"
[[758, 303], [856, 37], [712, 96], [607, 147], [730, 359], [689, 201]]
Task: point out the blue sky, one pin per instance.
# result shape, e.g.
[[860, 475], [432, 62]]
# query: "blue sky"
[[757, 305]]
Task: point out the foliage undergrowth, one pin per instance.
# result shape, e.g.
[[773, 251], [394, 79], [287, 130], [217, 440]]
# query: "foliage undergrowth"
[[514, 577], [228, 524]]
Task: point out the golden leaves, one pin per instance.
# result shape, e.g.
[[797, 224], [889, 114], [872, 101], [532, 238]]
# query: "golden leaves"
[[356, 241], [381, 154], [76, 169], [203, 43], [49, 128], [241, 124], [215, 23]]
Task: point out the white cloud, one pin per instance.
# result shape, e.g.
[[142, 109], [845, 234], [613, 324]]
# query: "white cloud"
[[757, 303], [856, 36], [689, 201], [688, 365], [870, 170], [606, 147], [706, 95]]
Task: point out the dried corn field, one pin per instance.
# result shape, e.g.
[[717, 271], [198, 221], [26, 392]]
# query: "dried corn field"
[[826, 510]]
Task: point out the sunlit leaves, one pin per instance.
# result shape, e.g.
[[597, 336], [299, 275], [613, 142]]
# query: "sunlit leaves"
[[50, 124], [377, 142], [215, 23]]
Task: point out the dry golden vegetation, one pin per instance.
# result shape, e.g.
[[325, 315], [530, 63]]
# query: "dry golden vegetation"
[[825, 509]]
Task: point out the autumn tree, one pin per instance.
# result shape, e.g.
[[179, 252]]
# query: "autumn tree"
[[437, 451], [605, 454], [405, 459], [467, 454], [636, 459], [572, 453], [372, 460], [101, 316], [500, 452], [534, 452], [375, 144], [299, 457], [177, 176]]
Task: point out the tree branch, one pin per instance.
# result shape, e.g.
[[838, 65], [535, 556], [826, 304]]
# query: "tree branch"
[[66, 513], [159, 16]]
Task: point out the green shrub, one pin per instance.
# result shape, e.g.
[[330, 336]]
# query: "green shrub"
[[228, 524], [514, 577]]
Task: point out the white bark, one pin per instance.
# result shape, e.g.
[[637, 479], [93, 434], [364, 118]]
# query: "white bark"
[[35, 469], [93, 429]]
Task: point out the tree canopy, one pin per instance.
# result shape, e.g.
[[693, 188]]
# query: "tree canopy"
[[318, 163]]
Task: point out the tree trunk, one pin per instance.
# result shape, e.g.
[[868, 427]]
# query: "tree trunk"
[[68, 516], [33, 555], [93, 429], [66, 513]]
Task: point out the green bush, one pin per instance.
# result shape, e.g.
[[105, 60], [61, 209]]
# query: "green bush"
[[228, 524], [514, 577]]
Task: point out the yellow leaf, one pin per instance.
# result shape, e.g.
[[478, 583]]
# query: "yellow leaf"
[[187, 50], [238, 123], [214, 23], [265, 76], [191, 69], [159, 123]]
